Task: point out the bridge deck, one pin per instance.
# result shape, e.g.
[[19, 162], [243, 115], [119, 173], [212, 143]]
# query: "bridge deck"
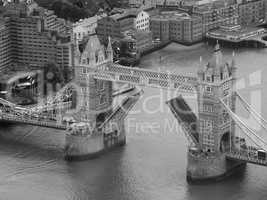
[[249, 157], [185, 117], [121, 111]]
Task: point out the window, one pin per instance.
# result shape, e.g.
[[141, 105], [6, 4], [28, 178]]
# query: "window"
[[100, 85], [225, 116], [84, 70], [102, 99], [208, 108], [209, 89]]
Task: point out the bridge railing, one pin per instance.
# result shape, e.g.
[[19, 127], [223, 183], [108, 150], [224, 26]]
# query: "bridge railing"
[[39, 121], [247, 156]]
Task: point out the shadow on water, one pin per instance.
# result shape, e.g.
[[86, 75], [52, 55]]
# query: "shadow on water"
[[26, 150], [100, 178], [24, 145]]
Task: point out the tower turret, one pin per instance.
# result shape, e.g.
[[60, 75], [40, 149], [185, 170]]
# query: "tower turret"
[[109, 50], [233, 66], [201, 69]]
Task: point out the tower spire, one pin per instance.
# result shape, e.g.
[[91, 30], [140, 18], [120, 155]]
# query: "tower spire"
[[217, 47], [109, 50]]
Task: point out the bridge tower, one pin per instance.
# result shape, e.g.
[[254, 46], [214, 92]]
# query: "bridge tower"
[[216, 129], [93, 100]]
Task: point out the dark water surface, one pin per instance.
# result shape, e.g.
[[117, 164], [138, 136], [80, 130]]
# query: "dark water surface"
[[153, 163]]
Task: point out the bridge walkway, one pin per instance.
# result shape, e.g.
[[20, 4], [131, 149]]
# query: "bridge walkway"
[[143, 77]]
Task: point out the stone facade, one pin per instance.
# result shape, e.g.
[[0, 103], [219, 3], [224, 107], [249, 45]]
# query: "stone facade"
[[215, 127], [86, 139], [95, 95], [216, 81], [176, 26]]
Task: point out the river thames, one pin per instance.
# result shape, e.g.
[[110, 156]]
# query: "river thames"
[[153, 163]]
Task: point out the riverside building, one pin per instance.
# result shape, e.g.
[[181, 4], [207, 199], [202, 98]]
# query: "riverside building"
[[24, 40], [176, 26]]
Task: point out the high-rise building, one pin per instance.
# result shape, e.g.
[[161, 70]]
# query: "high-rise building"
[[23, 40], [51, 21], [27, 39], [5, 43]]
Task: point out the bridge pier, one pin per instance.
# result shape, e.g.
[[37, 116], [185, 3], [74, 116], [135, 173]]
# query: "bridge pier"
[[202, 168], [211, 129], [82, 145]]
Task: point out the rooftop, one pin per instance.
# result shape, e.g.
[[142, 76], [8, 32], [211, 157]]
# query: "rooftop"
[[119, 14], [210, 6], [235, 32], [133, 34], [173, 15]]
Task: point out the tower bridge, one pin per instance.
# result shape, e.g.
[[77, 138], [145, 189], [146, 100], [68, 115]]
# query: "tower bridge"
[[92, 124]]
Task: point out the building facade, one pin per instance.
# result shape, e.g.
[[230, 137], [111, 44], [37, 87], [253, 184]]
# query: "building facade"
[[216, 80], [216, 14], [251, 12], [141, 21], [154, 3], [137, 41], [5, 44], [27, 42], [123, 20], [95, 95], [175, 26], [85, 27], [51, 21]]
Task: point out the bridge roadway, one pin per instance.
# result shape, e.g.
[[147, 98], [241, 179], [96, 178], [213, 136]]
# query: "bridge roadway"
[[246, 156], [120, 112], [143, 77], [186, 118]]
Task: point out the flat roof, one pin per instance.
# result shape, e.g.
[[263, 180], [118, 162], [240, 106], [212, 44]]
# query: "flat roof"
[[173, 15], [235, 35], [238, 32]]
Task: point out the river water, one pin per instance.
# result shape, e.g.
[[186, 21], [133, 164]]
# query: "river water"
[[153, 163]]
